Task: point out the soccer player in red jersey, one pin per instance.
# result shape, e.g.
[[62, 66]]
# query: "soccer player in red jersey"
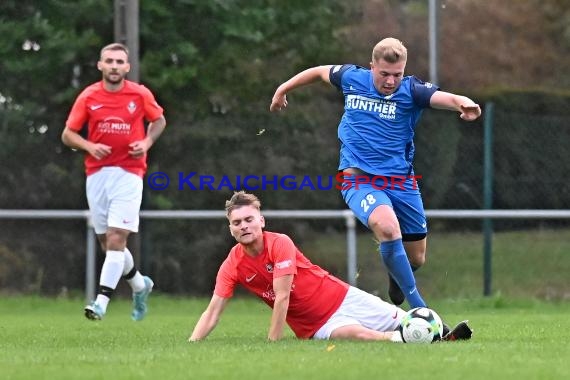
[[115, 110], [312, 302]]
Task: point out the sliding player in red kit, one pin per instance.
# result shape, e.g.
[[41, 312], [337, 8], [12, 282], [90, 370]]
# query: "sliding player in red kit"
[[315, 304], [312, 302]]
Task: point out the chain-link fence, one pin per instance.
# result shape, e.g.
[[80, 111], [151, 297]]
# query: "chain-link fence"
[[530, 161]]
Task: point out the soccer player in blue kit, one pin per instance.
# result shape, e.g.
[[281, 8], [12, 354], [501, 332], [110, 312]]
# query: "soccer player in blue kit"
[[376, 131]]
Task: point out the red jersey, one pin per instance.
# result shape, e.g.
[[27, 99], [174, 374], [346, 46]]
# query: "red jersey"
[[315, 294], [115, 119]]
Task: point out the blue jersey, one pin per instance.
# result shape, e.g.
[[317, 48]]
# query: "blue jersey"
[[376, 131]]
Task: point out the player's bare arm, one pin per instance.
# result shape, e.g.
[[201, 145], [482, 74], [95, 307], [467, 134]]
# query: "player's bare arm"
[[468, 109], [282, 288], [209, 318], [303, 78], [155, 129], [74, 140]]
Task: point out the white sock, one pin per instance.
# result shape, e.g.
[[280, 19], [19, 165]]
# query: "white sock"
[[137, 281], [112, 269], [102, 301]]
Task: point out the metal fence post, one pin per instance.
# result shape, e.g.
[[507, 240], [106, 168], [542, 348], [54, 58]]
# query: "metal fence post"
[[487, 197], [351, 247], [90, 259]]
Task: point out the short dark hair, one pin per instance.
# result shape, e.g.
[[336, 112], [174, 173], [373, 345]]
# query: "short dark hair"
[[241, 198]]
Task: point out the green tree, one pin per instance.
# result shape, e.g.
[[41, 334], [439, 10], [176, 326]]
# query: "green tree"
[[213, 66], [44, 59]]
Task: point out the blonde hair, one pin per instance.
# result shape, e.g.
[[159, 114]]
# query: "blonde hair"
[[241, 198], [115, 46], [390, 50]]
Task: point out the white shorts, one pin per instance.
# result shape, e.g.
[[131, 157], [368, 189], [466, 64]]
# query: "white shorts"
[[365, 309], [114, 196]]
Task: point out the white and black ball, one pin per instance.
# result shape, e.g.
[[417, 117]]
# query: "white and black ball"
[[421, 325]]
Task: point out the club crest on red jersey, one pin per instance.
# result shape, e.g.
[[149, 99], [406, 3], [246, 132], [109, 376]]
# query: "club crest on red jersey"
[[132, 107]]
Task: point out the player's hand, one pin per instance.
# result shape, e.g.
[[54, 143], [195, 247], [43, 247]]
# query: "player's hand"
[[396, 336], [139, 148], [99, 151], [470, 112], [278, 102]]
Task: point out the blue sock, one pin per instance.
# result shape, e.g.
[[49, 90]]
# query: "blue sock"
[[395, 259]]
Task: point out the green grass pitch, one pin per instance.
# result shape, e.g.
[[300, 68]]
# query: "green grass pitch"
[[43, 338]]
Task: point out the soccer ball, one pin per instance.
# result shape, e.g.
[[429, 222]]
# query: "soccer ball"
[[421, 325]]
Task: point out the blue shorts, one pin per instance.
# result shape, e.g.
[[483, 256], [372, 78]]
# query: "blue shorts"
[[363, 193]]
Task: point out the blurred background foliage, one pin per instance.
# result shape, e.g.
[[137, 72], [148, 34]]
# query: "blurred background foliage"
[[214, 66]]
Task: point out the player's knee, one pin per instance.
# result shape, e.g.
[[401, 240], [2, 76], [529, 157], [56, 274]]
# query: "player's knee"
[[415, 245], [416, 256], [417, 260], [116, 240], [385, 231]]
